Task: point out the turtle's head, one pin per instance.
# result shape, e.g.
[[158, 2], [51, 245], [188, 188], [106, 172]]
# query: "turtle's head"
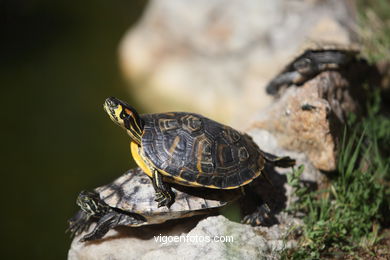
[[91, 203], [125, 116]]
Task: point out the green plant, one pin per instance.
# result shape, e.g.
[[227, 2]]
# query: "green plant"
[[374, 29], [348, 214]]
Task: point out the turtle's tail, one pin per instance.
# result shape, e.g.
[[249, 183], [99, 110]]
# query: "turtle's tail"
[[283, 162]]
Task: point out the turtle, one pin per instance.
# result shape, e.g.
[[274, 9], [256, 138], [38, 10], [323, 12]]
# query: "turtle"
[[190, 149], [129, 201], [313, 59]]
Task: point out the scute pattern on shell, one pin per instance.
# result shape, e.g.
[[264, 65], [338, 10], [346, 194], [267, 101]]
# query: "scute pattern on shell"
[[133, 192], [198, 151]]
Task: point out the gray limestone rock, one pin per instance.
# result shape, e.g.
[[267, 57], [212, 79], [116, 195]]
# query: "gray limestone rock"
[[212, 238], [247, 242]]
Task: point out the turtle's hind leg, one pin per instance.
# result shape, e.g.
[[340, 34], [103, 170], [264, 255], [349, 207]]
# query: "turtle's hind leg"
[[164, 194], [255, 209], [259, 217]]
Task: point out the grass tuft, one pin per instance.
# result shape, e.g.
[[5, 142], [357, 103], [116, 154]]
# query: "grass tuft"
[[346, 218], [374, 29]]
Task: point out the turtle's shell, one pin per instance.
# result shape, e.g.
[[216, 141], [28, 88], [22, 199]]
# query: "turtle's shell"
[[193, 150], [133, 193]]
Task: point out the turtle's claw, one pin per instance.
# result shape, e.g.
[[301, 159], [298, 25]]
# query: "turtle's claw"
[[158, 197], [253, 219], [164, 199], [259, 217], [161, 203]]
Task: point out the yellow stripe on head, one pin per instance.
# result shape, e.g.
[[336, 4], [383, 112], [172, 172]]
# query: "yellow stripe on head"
[[118, 112], [125, 116]]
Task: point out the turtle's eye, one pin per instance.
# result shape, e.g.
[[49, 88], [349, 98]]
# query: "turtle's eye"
[[123, 115]]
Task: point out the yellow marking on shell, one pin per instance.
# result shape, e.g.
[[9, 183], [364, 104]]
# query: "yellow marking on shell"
[[261, 161], [139, 159], [220, 150], [174, 144], [199, 158], [143, 162], [184, 182], [248, 181], [195, 184]]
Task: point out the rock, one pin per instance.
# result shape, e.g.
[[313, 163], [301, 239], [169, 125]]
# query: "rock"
[[242, 242], [129, 243], [312, 176], [215, 57], [248, 242], [263, 242], [310, 118]]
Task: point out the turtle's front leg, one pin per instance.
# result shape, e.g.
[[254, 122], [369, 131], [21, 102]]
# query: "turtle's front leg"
[[79, 223], [109, 221], [164, 194]]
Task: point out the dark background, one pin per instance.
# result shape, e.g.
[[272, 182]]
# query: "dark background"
[[58, 62]]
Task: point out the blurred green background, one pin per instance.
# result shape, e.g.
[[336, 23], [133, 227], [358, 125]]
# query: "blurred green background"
[[58, 62]]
